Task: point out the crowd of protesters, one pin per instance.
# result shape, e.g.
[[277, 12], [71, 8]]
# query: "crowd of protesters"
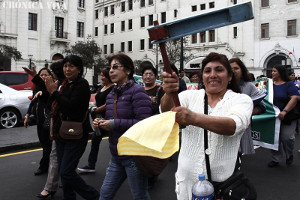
[[224, 88]]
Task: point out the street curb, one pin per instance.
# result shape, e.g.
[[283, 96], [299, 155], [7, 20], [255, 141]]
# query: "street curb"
[[15, 147]]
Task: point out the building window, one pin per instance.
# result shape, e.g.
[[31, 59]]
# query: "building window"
[[122, 25], [235, 32], [175, 13], [202, 37], [142, 3], [105, 49], [80, 29], [112, 9], [142, 45], [150, 22], [32, 21], [290, 1], [291, 27], [202, 6], [122, 46], [194, 38], [96, 14], [150, 2], [96, 31], [129, 4], [211, 4], [112, 28], [211, 35], [150, 46], [130, 24], [264, 3], [105, 29], [194, 8], [142, 22], [105, 11], [123, 6], [163, 17], [59, 27], [111, 48], [129, 45], [81, 3], [234, 1], [265, 30]]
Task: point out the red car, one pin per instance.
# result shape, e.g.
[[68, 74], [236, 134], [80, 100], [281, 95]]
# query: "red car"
[[16, 79]]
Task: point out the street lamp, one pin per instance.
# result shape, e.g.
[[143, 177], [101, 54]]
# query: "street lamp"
[[30, 57]]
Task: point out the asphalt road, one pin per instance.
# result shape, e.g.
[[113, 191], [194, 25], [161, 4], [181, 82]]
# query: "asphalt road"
[[19, 183]]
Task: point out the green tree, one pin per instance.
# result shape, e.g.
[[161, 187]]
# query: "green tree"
[[8, 52], [90, 53], [173, 48]]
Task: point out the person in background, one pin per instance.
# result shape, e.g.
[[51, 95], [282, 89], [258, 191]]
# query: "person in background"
[[98, 111], [183, 76], [127, 104], [195, 77], [285, 98], [251, 77], [155, 93], [241, 74], [294, 80], [70, 102], [182, 85], [41, 97], [229, 115]]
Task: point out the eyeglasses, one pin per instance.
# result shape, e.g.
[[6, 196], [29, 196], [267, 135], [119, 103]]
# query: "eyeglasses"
[[115, 66], [148, 74]]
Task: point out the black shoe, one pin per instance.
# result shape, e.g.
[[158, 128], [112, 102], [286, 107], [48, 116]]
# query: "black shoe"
[[290, 160], [273, 164], [39, 172], [50, 194]]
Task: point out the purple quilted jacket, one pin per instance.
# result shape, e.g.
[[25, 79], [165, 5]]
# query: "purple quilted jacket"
[[133, 105]]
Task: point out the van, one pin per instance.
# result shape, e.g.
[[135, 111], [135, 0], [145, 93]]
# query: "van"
[[16, 79]]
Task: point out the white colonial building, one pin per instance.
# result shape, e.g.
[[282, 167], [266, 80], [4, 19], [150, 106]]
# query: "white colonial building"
[[44, 30], [41, 30]]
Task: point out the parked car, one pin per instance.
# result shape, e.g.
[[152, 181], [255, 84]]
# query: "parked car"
[[13, 106], [16, 79]]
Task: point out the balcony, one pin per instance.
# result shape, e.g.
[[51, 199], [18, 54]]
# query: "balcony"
[[59, 37]]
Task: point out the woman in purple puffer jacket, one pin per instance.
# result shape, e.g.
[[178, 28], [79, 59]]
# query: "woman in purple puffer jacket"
[[127, 104]]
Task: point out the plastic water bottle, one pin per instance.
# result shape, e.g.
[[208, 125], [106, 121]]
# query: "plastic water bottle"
[[202, 189]]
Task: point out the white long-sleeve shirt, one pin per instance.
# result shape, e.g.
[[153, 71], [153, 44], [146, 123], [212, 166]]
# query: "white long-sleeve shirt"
[[224, 149]]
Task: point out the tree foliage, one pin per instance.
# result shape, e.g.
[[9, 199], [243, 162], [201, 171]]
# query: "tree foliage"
[[173, 49], [89, 52], [8, 52]]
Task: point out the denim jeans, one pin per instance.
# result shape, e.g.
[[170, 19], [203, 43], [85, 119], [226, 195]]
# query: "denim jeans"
[[68, 154], [94, 150], [116, 173]]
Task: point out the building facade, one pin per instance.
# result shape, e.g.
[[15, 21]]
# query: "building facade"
[[41, 30]]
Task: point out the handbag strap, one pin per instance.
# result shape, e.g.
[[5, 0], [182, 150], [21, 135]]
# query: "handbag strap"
[[115, 106], [206, 141]]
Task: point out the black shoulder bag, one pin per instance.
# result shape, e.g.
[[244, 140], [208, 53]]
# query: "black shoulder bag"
[[237, 186]]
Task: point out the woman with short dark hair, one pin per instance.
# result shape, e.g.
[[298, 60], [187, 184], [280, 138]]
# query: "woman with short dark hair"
[[70, 103], [127, 104]]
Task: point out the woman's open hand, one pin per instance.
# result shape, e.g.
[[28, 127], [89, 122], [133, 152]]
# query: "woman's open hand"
[[51, 85]]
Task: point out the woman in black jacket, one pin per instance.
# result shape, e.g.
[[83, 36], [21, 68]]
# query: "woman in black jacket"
[[70, 103]]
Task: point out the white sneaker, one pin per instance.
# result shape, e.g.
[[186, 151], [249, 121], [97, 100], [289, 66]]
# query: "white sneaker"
[[86, 169]]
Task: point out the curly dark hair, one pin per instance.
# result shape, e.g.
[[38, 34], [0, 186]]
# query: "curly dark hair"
[[245, 71]]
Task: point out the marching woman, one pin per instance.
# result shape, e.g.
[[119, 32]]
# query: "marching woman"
[[127, 104], [285, 98]]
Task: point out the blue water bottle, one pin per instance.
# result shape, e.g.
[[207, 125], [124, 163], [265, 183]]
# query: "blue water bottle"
[[202, 189]]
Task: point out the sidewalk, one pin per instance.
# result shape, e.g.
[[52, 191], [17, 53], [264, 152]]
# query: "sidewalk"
[[13, 139]]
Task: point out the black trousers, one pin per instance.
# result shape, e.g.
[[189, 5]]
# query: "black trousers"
[[44, 138]]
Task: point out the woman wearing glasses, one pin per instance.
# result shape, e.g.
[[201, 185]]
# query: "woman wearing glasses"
[[127, 104]]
